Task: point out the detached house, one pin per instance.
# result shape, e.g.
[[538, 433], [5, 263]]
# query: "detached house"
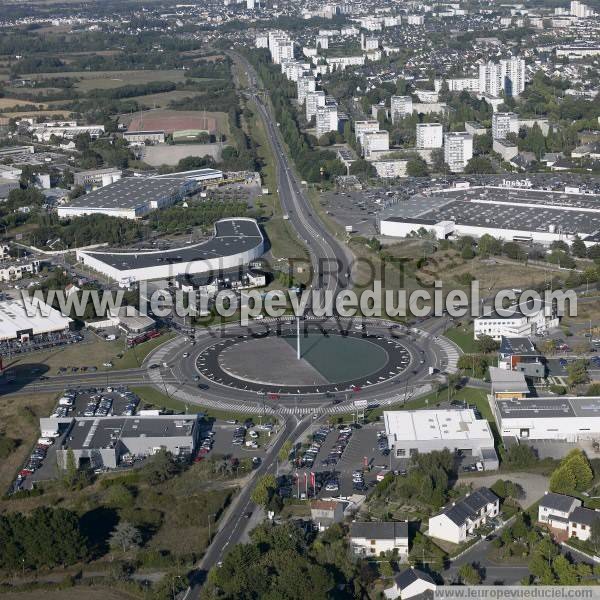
[[460, 520], [554, 510], [324, 513], [581, 521], [410, 584], [370, 539]]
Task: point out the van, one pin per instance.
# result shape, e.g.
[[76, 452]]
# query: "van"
[[111, 337], [479, 466]]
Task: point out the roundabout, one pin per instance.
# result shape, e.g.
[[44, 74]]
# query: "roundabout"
[[314, 360], [255, 369]]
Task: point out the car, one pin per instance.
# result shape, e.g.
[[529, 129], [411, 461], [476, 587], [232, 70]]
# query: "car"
[[196, 377], [185, 354], [248, 514], [332, 486]]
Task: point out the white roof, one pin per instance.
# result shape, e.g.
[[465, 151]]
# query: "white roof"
[[32, 314], [407, 425]]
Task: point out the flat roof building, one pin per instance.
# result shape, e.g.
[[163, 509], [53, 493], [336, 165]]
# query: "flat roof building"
[[104, 441], [568, 418], [24, 320], [236, 242], [135, 197], [421, 431]]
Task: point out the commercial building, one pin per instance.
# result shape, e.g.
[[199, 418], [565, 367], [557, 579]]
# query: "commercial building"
[[519, 354], [97, 177], [143, 137], [24, 320], [313, 101], [43, 132], [135, 197], [371, 539], [504, 123], [325, 513], [326, 119], [423, 431], [375, 141], [400, 107], [459, 521], [233, 279], [391, 168], [430, 135], [519, 214], [517, 321], [566, 418], [236, 242], [103, 442], [458, 150]]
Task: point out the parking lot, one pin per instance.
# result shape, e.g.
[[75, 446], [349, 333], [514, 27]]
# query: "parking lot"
[[345, 461]]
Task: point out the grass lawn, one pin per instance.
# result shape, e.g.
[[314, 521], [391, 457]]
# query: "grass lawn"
[[158, 399], [467, 394], [91, 592], [134, 357], [91, 353], [19, 420], [462, 336]]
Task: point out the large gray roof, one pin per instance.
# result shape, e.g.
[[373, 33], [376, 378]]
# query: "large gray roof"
[[585, 516], [408, 576], [385, 530], [232, 236]]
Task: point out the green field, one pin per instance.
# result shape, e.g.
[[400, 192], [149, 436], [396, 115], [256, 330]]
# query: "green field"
[[462, 336]]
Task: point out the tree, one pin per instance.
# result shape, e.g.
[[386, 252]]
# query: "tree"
[[161, 467], [489, 245], [469, 574], [264, 489], [514, 251], [595, 535], [520, 456], [487, 344], [125, 537], [577, 372], [417, 167], [578, 248], [71, 471], [285, 450], [573, 474], [479, 165]]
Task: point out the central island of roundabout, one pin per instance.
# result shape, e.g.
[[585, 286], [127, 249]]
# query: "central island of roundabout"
[[309, 359]]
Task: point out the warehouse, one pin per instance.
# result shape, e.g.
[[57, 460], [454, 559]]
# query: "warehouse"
[[421, 431], [236, 242], [523, 215], [569, 419], [135, 197], [24, 323], [103, 442]]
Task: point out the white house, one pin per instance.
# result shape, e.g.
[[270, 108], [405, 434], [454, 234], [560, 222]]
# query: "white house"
[[370, 539], [410, 583], [516, 321], [555, 509], [581, 521], [460, 520]]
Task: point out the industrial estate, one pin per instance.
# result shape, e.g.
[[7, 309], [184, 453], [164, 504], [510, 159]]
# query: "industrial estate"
[[231, 155]]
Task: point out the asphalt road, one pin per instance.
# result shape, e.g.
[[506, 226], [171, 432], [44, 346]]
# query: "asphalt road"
[[331, 261], [234, 522]]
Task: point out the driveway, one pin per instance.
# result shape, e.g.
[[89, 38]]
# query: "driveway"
[[533, 484]]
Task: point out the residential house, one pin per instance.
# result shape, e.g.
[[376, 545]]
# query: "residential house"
[[325, 513], [460, 520], [581, 521], [554, 510], [409, 584], [371, 539]]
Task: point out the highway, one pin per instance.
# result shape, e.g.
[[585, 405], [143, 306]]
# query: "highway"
[[331, 261]]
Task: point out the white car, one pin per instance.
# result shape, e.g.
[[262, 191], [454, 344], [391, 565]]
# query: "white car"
[[332, 486], [186, 354], [345, 430]]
